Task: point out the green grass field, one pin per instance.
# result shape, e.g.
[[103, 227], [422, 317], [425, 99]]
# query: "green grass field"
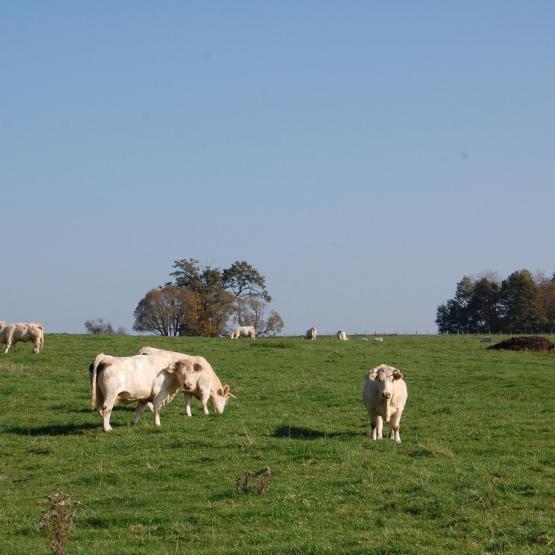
[[474, 474]]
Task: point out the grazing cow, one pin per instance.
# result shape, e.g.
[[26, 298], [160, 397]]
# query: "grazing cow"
[[12, 333], [311, 333], [243, 331], [146, 379], [385, 395], [208, 386], [378, 339], [342, 335]]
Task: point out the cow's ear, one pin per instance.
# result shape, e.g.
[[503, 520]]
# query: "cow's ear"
[[171, 368], [397, 375], [197, 367]]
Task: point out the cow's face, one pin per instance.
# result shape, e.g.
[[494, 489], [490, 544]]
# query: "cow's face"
[[186, 372], [3, 324], [219, 400], [386, 382]]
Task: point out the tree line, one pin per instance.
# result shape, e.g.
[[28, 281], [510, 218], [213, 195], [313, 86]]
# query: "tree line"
[[205, 300], [521, 303]]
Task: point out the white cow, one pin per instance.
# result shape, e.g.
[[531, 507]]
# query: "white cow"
[[12, 333], [378, 339], [243, 331], [342, 335], [384, 395], [208, 386], [146, 379], [311, 334]]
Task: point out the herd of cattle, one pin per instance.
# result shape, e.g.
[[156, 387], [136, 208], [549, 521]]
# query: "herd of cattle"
[[153, 377]]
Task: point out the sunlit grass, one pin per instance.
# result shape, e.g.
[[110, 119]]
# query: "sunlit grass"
[[474, 474]]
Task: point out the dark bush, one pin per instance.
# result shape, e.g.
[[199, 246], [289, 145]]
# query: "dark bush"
[[525, 343]]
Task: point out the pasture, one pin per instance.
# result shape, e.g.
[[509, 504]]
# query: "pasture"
[[474, 472]]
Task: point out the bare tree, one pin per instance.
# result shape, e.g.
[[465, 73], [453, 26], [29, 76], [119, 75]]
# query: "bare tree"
[[251, 311], [274, 324], [100, 327]]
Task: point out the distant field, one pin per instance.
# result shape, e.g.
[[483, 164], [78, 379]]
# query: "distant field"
[[475, 472]]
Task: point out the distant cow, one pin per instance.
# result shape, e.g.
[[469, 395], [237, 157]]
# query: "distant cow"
[[378, 339], [243, 331], [208, 386], [342, 335], [311, 333], [146, 379], [385, 395], [12, 333]]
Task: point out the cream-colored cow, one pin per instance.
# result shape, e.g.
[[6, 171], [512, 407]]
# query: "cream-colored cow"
[[146, 379], [243, 331], [12, 333], [384, 395], [342, 335], [311, 334], [208, 386]]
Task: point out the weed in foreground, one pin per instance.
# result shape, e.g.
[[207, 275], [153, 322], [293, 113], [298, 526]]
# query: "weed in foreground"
[[55, 524], [254, 481]]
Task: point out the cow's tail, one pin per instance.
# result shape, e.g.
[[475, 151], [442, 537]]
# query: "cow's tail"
[[96, 393]]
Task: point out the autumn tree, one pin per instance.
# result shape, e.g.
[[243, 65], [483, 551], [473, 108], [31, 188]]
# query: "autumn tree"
[[170, 310], [238, 292]]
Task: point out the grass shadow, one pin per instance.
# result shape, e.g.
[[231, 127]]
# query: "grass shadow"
[[299, 432], [52, 429]]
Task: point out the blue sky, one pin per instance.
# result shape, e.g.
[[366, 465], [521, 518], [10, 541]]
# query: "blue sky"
[[364, 156]]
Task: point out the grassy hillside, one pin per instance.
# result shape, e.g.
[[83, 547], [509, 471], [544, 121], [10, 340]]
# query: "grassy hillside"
[[474, 474]]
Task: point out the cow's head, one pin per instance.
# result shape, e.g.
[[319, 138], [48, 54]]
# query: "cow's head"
[[3, 324], [219, 400], [385, 378], [186, 372]]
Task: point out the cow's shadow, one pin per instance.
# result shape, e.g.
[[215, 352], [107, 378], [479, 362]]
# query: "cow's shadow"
[[300, 432], [51, 429]]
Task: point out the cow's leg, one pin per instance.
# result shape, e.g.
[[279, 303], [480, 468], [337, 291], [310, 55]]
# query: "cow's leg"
[[188, 401], [395, 422], [157, 403], [8, 342], [380, 427], [204, 401], [36, 343], [139, 412], [106, 412], [374, 426]]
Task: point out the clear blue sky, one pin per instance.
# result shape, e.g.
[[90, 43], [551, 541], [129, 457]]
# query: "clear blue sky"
[[364, 155]]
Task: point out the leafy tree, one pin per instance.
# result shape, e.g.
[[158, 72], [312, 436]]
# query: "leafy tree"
[[519, 302], [243, 280], [484, 306], [454, 316]]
